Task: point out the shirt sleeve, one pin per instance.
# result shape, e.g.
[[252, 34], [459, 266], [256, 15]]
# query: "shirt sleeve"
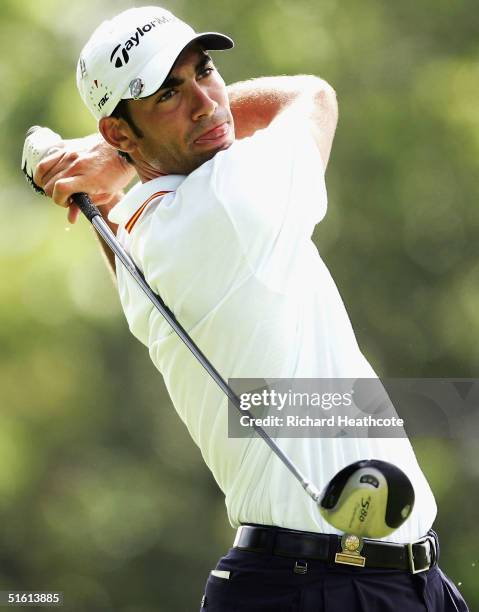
[[272, 187]]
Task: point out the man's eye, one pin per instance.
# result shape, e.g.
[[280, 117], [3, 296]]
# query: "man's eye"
[[207, 71], [167, 95]]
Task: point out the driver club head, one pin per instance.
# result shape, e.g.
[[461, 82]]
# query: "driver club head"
[[369, 498]]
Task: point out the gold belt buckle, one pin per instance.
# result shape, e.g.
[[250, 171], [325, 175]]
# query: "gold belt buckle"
[[351, 548]]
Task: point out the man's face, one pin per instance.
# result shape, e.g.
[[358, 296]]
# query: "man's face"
[[188, 120]]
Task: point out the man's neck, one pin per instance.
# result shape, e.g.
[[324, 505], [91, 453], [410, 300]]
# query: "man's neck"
[[146, 172]]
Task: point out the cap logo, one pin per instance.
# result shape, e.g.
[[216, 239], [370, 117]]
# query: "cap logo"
[[136, 87], [120, 55], [99, 94], [82, 68], [103, 101]]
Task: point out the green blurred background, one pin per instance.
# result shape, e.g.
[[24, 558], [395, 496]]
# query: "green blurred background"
[[102, 493]]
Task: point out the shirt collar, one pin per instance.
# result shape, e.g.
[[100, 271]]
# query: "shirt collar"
[[140, 193]]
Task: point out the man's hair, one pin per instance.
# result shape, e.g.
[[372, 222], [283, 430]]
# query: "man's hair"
[[121, 111]]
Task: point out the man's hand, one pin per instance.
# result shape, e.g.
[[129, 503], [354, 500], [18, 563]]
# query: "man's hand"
[[87, 165]]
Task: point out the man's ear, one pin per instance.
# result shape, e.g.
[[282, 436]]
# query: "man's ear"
[[117, 133]]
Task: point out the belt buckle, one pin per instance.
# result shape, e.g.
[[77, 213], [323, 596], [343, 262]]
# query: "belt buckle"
[[238, 536], [350, 554], [432, 551]]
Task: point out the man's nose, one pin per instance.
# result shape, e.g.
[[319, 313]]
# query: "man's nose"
[[203, 104]]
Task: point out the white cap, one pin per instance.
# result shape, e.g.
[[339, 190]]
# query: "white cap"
[[129, 56]]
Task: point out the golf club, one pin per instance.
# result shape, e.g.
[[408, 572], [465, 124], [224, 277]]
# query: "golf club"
[[368, 497], [340, 498]]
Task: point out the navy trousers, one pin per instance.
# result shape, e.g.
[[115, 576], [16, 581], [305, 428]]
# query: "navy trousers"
[[260, 582]]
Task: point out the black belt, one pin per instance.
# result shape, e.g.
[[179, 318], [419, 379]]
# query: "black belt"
[[415, 557]]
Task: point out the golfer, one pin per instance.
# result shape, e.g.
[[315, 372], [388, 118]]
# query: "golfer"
[[231, 186]]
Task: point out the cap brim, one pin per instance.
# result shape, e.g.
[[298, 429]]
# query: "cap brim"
[[153, 76], [214, 41]]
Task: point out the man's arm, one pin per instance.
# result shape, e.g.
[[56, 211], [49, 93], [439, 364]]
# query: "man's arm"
[[107, 252], [258, 102], [91, 165], [87, 165]]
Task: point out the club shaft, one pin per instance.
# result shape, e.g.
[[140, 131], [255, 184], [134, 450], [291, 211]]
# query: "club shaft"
[[93, 215]]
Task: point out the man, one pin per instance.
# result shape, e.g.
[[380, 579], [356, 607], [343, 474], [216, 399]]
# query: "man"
[[231, 187]]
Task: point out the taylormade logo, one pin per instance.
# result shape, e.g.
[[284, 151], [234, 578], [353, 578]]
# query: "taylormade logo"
[[120, 54]]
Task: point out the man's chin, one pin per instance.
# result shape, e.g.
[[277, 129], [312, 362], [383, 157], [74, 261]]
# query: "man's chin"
[[204, 156]]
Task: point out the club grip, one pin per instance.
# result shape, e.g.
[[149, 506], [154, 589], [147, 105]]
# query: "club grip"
[[85, 205]]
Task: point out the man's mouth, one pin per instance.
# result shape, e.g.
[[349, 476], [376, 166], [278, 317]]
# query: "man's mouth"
[[215, 134]]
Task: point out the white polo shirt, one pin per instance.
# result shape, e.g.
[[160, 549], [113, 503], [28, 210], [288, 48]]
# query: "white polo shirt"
[[229, 250]]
